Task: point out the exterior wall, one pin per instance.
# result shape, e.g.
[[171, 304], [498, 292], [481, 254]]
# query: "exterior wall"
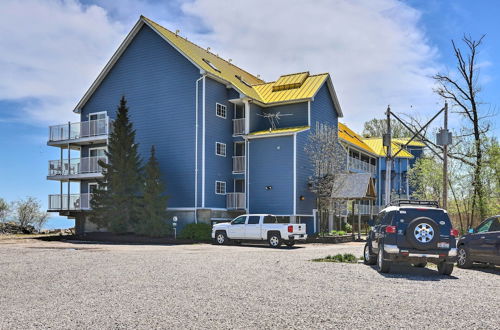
[[159, 84], [271, 164], [298, 112]]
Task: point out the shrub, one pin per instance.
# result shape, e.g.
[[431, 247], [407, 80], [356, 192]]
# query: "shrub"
[[333, 232], [347, 227], [346, 257], [197, 231], [341, 233]]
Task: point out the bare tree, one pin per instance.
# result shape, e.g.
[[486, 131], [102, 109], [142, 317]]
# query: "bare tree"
[[329, 158], [463, 92], [28, 212], [4, 210]]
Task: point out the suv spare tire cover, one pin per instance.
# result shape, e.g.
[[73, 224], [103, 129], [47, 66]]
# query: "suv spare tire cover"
[[419, 224]]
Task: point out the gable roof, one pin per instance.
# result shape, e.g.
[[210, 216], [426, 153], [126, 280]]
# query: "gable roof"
[[353, 138], [377, 145], [353, 186], [288, 88], [414, 143]]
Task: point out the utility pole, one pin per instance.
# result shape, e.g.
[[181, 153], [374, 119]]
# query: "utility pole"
[[388, 161], [445, 159]]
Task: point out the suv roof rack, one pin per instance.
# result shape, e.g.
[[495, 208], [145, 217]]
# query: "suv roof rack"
[[400, 202]]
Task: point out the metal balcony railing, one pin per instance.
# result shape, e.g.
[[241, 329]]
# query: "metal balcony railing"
[[235, 201], [239, 126], [358, 164], [85, 165], [238, 164], [73, 203], [72, 131]]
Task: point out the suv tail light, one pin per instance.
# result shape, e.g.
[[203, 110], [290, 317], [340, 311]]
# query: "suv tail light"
[[454, 232], [290, 229], [390, 229]]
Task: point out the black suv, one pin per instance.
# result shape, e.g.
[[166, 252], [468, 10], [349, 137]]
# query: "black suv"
[[411, 231]]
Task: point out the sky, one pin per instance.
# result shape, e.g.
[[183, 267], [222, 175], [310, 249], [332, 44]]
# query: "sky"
[[379, 53]]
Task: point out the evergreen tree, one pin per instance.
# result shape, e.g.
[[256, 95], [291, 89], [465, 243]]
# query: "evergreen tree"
[[116, 203], [154, 203]]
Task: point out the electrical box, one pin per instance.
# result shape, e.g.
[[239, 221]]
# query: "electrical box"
[[386, 139], [443, 137]]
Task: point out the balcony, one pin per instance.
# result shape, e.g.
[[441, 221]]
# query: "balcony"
[[359, 165], [239, 126], [76, 202], [238, 164], [235, 201], [95, 131], [77, 168]]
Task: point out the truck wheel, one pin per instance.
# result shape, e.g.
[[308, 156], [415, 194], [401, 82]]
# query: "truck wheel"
[[384, 266], [274, 240], [289, 243], [420, 265], [445, 268], [368, 257], [463, 259], [220, 238]]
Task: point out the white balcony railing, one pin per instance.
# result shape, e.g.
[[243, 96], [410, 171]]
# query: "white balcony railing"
[[85, 165], [75, 202], [235, 201], [72, 131], [238, 164], [239, 126], [358, 164]]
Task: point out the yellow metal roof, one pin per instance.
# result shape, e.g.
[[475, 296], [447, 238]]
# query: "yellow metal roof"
[[290, 87], [280, 130], [348, 135], [377, 146], [414, 143]]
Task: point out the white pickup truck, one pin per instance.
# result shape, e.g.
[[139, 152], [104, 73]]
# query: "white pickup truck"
[[259, 227]]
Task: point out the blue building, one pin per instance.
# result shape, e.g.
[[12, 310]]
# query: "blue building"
[[207, 118]]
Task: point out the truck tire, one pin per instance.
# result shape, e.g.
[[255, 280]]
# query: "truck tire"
[[383, 266], [220, 238], [445, 268], [423, 233], [368, 257], [463, 258], [274, 240]]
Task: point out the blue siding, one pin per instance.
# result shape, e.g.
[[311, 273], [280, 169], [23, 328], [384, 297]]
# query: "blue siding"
[[304, 171], [322, 108], [217, 168], [271, 164], [298, 112], [159, 84]]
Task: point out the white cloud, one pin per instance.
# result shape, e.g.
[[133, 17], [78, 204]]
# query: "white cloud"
[[51, 52], [375, 50]]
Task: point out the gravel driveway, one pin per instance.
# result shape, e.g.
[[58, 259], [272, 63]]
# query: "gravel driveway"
[[64, 285]]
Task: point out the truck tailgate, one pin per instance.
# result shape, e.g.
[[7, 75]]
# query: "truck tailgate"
[[298, 229]]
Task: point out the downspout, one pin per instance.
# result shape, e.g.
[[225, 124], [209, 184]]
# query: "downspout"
[[203, 147], [196, 154]]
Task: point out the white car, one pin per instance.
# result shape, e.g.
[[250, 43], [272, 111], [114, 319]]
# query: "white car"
[[259, 227]]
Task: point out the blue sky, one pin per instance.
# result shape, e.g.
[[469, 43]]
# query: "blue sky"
[[379, 52]]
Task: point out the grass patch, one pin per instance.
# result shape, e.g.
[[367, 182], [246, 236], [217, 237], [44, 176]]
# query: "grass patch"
[[346, 257]]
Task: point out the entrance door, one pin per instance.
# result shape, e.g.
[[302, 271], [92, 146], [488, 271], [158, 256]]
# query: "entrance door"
[[97, 123], [239, 185]]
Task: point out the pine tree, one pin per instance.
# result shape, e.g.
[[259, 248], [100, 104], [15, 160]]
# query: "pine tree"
[[116, 203], [154, 203]]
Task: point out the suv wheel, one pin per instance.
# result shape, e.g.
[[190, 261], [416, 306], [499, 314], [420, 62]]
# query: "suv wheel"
[[220, 238], [274, 240], [445, 268], [368, 257], [463, 259], [384, 266]]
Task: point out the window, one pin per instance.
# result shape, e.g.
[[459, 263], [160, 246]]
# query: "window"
[[220, 110], [270, 219], [220, 149], [239, 220], [253, 220], [495, 226], [485, 226], [220, 187]]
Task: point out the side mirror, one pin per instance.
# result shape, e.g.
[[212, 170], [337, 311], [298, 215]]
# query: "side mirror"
[[371, 222], [471, 230]]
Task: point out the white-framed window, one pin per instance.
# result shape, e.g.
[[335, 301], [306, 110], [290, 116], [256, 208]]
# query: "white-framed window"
[[220, 149], [220, 187], [220, 110]]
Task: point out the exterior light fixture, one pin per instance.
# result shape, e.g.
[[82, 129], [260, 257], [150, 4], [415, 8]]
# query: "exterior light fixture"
[[269, 187], [302, 198]]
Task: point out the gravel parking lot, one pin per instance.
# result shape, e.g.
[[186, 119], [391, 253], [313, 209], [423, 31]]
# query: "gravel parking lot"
[[65, 285]]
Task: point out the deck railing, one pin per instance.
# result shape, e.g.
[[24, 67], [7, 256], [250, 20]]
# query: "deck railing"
[[238, 164], [358, 164], [75, 166], [235, 201], [72, 131], [75, 202], [239, 126]]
